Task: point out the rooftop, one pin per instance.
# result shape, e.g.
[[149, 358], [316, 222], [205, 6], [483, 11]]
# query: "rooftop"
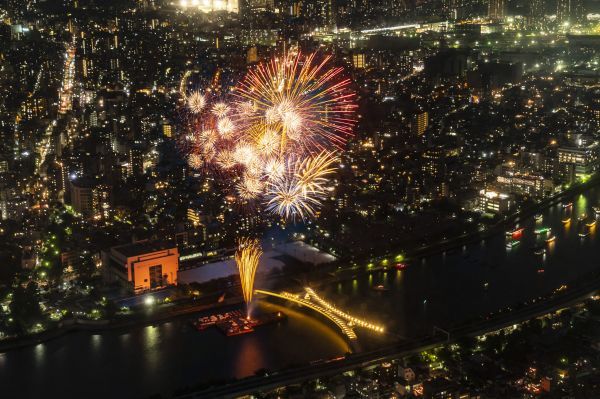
[[143, 247]]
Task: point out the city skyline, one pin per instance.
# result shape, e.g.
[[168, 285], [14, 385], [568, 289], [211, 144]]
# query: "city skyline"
[[316, 198]]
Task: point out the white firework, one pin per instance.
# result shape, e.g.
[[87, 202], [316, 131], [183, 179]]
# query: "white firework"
[[196, 102]]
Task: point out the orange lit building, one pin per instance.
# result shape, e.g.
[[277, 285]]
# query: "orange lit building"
[[142, 266]]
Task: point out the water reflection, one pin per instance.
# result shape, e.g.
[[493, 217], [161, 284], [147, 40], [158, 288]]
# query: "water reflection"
[[96, 343], [39, 353], [249, 356], [581, 209], [124, 339], [151, 338], [398, 277]]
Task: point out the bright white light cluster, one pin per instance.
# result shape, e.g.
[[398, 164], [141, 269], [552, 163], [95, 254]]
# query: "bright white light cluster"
[[210, 5]]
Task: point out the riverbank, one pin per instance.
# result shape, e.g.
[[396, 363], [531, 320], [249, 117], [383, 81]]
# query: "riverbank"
[[68, 326], [505, 223], [321, 275], [335, 274]]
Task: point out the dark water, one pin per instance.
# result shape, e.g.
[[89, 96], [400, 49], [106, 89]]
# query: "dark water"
[[442, 290]]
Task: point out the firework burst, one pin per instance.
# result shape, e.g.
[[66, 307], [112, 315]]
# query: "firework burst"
[[277, 133], [298, 191], [195, 161], [303, 98], [196, 102]]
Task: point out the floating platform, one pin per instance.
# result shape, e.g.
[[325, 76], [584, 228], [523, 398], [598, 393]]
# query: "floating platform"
[[236, 323], [205, 322]]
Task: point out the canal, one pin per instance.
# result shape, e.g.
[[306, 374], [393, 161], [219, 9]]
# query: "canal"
[[442, 290]]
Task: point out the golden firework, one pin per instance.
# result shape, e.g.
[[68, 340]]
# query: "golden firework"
[[196, 102], [247, 258], [277, 133]]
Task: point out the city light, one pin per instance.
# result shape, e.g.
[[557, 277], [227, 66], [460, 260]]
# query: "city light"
[[210, 5], [394, 168]]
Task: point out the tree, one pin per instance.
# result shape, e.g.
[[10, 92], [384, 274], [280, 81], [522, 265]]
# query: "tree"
[[85, 269], [25, 307]]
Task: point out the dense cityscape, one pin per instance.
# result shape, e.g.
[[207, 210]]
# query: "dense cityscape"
[[354, 198]]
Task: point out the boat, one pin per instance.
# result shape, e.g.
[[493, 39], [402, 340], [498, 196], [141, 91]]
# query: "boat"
[[515, 233], [566, 220], [584, 231], [568, 205], [539, 217], [543, 230], [540, 250], [582, 217], [591, 223], [540, 270], [381, 288], [512, 244], [596, 210], [485, 286], [551, 239], [401, 266], [204, 322]]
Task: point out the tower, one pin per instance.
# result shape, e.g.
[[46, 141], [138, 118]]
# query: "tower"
[[569, 12], [496, 10], [536, 14]]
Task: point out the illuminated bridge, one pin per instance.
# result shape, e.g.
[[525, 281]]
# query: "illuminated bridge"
[[341, 319]]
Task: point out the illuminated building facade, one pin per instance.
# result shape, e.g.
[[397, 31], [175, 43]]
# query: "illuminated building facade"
[[82, 196], [536, 14], [569, 12], [90, 199], [358, 60], [575, 162], [142, 266], [496, 10], [419, 123], [535, 186], [494, 201], [210, 5]]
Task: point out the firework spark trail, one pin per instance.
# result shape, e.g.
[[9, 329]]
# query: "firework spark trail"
[[285, 197], [297, 193], [295, 92], [247, 257], [196, 102], [312, 172]]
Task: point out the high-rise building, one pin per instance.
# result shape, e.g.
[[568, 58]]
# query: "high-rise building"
[[358, 60], [496, 10], [537, 11], [82, 196], [320, 13], [569, 12], [252, 55], [419, 123]]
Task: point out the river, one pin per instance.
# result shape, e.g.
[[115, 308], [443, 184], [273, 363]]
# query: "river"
[[441, 290]]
